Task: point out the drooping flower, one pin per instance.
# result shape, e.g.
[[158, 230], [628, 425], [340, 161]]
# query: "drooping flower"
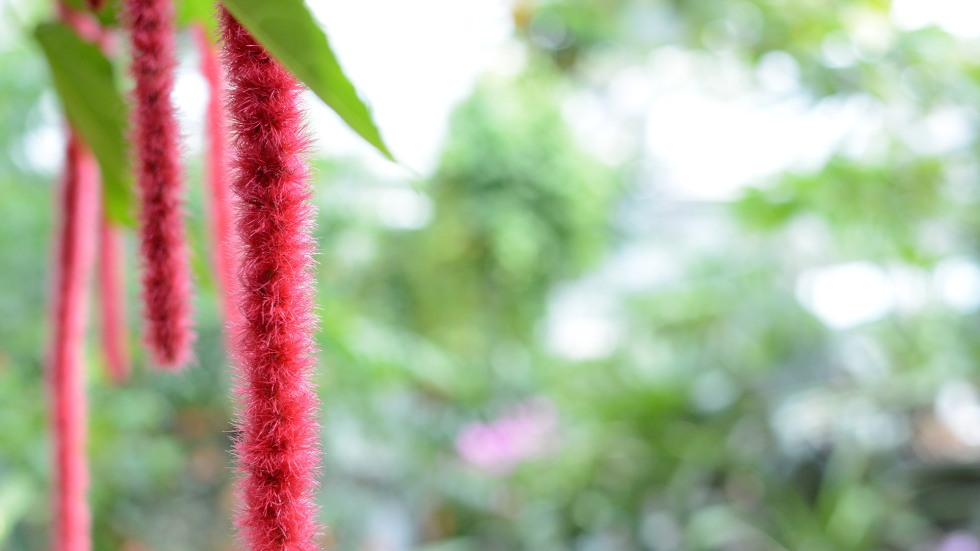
[[112, 301], [78, 211], [277, 448], [223, 257], [166, 271]]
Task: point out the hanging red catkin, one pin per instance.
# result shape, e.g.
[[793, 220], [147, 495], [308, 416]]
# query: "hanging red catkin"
[[277, 449], [76, 251], [166, 270], [224, 258], [112, 295]]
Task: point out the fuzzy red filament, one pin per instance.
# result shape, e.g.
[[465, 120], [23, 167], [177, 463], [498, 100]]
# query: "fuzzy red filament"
[[224, 260], [76, 251], [112, 294], [166, 270], [277, 448]]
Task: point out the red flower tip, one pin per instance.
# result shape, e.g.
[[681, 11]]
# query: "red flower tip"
[[166, 270], [112, 292]]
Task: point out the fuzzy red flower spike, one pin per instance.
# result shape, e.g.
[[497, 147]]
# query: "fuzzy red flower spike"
[[112, 301], [75, 259], [224, 259], [277, 449], [166, 269]]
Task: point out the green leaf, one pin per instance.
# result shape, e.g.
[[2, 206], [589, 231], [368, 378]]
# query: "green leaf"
[[287, 29], [108, 15], [203, 12], [77, 5], [85, 81]]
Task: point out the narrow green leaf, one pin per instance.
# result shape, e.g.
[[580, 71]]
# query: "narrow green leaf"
[[85, 81], [287, 29]]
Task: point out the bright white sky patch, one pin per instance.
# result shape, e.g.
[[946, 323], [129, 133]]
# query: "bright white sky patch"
[[190, 97], [847, 295], [940, 133], [712, 127], [957, 282], [413, 62], [46, 137], [401, 208], [581, 324], [958, 17], [711, 148]]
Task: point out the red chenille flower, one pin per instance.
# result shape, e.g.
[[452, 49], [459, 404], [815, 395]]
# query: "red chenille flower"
[[277, 448], [224, 259], [112, 303], [78, 211], [166, 270]]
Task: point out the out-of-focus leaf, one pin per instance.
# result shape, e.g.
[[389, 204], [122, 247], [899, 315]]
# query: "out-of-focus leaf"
[[16, 495], [108, 14], [85, 81], [76, 4], [287, 29], [197, 12]]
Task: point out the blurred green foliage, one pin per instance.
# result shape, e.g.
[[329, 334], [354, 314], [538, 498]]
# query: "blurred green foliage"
[[720, 413]]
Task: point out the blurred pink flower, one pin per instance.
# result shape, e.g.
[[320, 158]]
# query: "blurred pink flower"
[[527, 431], [958, 541]]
